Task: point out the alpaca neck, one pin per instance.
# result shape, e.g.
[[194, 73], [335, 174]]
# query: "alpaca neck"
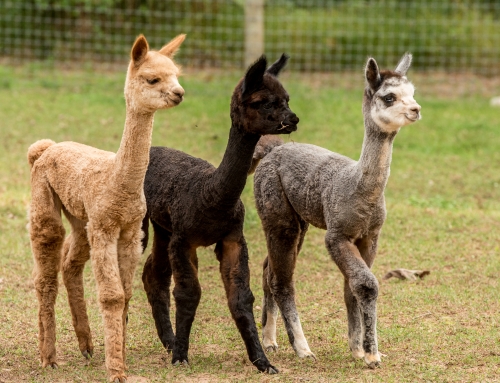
[[227, 182], [374, 164], [132, 158]]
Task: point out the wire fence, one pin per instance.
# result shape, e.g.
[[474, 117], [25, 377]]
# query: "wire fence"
[[320, 35]]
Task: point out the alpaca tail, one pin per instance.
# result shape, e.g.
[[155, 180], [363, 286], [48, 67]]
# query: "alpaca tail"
[[37, 149], [263, 148]]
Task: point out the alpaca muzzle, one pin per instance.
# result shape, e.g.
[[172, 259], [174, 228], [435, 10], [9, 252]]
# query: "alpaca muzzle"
[[176, 96], [414, 114], [289, 124]]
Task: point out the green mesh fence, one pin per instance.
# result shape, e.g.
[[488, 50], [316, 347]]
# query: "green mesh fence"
[[320, 35]]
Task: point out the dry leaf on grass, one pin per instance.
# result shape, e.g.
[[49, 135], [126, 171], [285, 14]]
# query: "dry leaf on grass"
[[410, 275]]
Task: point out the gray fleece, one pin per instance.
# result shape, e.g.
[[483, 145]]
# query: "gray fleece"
[[301, 184]]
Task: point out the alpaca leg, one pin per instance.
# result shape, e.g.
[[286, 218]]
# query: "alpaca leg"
[[47, 236], [283, 244], [364, 288], [367, 247], [129, 252], [76, 253], [156, 277], [285, 232], [269, 313], [110, 294], [269, 306], [303, 230], [232, 255], [355, 323], [187, 294]]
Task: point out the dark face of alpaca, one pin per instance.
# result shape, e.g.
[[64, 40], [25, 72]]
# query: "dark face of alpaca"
[[260, 103]]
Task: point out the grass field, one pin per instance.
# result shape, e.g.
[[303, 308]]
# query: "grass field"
[[443, 200]]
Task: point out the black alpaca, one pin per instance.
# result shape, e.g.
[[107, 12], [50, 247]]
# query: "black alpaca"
[[191, 204]]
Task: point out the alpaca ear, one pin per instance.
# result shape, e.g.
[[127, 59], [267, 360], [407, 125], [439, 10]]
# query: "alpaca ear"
[[275, 68], [172, 47], [372, 74], [404, 64], [139, 50], [254, 77]]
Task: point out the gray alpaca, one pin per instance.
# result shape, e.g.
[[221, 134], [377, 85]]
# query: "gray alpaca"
[[300, 184]]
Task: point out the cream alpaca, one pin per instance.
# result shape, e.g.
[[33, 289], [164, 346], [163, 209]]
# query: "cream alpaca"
[[101, 195]]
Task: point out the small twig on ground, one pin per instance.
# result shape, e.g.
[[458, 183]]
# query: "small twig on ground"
[[423, 315]]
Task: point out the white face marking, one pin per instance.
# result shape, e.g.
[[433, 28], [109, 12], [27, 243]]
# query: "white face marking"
[[402, 110]]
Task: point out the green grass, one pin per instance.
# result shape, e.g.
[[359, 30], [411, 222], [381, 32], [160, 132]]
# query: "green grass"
[[443, 201]]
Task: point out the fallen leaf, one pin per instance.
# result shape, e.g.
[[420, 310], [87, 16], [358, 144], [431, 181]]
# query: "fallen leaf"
[[410, 275]]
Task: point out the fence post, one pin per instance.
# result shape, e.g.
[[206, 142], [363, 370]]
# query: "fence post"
[[254, 30]]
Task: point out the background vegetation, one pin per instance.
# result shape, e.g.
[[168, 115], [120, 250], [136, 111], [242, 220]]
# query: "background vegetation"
[[443, 201], [321, 35]]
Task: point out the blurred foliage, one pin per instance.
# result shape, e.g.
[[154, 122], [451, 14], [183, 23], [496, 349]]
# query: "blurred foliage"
[[451, 35], [320, 35], [94, 30]]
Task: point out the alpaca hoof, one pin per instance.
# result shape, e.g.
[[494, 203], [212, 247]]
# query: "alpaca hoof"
[[303, 351], [271, 370], [119, 379], [272, 348], [264, 366], [372, 360], [269, 345], [308, 355], [178, 363], [86, 346], [50, 364]]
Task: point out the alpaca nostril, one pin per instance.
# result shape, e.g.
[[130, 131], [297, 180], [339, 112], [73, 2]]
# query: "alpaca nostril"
[[292, 118], [178, 92], [416, 109]]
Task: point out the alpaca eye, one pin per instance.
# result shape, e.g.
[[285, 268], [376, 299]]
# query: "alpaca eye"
[[267, 105], [153, 81], [389, 99]]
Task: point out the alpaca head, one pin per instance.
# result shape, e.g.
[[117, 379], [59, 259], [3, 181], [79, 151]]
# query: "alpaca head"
[[389, 96], [151, 82], [260, 103]]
